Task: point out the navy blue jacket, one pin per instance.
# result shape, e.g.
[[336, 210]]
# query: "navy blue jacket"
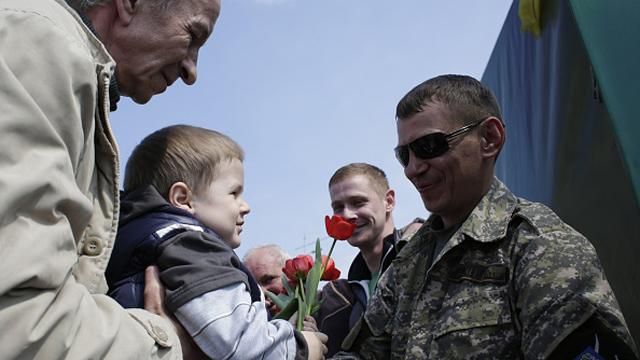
[[193, 260]]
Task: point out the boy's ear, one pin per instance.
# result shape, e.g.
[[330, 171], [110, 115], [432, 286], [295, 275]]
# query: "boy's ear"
[[125, 10], [181, 197]]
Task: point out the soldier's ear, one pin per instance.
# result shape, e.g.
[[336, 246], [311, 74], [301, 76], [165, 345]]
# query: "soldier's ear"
[[492, 137], [181, 197]]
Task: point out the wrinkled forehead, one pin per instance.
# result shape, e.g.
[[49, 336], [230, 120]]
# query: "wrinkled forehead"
[[204, 12]]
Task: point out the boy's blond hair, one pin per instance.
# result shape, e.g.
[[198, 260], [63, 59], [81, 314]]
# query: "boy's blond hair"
[[376, 176], [185, 153]]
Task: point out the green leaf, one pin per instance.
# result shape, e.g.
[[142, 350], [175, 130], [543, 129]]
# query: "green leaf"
[[281, 300], [313, 279], [314, 308], [288, 310], [285, 297], [285, 284], [318, 251]]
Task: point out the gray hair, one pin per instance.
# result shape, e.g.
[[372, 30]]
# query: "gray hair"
[[273, 249], [84, 5]]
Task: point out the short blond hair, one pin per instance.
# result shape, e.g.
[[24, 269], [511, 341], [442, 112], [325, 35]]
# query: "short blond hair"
[[185, 153], [376, 176]]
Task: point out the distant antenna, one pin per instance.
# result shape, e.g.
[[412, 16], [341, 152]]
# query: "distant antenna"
[[304, 243]]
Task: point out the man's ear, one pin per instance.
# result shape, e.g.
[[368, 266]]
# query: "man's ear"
[[125, 10], [181, 197], [492, 137], [390, 200]]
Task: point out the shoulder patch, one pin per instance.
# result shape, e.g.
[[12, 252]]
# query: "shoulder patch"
[[589, 354]]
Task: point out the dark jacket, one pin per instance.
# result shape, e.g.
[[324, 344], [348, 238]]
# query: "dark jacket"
[[193, 260], [344, 300]]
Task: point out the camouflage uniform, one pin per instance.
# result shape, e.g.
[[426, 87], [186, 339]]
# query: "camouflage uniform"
[[512, 282]]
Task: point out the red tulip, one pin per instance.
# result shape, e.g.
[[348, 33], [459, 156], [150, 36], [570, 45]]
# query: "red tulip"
[[330, 270], [339, 228], [298, 267]]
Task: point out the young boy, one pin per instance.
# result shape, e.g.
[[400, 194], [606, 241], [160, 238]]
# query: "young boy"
[[182, 210]]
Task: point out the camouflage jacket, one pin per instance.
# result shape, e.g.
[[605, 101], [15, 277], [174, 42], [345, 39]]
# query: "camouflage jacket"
[[511, 283]]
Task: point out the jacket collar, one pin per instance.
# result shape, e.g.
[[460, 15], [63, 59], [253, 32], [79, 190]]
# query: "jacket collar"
[[114, 90], [143, 201], [489, 220], [359, 270]]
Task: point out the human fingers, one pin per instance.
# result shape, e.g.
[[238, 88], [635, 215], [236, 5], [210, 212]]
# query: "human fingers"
[[317, 349], [153, 291], [309, 323]]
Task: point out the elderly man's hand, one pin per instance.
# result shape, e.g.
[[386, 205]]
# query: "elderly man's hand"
[[154, 302]]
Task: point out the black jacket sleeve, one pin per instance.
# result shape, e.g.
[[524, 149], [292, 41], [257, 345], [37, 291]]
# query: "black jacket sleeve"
[[593, 340], [193, 263]]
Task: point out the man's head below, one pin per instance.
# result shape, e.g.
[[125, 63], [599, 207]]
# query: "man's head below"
[[360, 193], [450, 132], [197, 170], [153, 42], [265, 264]]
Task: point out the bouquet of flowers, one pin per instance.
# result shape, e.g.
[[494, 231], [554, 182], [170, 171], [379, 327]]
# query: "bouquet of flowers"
[[302, 274]]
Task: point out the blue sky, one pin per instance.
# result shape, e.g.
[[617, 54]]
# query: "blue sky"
[[308, 86]]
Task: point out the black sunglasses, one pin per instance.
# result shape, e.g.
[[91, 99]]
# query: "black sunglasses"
[[431, 145]]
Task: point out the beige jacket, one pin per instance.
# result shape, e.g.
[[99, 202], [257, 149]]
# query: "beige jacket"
[[59, 195]]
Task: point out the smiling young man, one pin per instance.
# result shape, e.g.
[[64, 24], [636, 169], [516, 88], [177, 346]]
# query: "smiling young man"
[[360, 193], [489, 275]]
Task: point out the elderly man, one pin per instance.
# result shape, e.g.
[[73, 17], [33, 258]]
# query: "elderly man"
[[265, 263], [59, 166], [490, 275]]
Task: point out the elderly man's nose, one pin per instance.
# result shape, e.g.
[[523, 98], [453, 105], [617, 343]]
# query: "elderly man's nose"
[[188, 68]]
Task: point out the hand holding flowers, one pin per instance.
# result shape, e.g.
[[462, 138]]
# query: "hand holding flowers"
[[302, 274]]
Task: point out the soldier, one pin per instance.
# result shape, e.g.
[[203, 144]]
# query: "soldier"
[[489, 275]]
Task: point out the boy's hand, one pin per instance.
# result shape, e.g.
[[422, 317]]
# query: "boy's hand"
[[309, 323], [154, 302], [316, 344]]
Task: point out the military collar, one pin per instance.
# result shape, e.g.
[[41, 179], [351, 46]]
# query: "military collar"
[[490, 219]]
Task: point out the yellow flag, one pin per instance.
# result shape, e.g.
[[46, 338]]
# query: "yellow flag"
[[529, 13]]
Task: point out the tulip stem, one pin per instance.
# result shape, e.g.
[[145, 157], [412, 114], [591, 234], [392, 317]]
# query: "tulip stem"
[[324, 265], [301, 289], [302, 305]]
